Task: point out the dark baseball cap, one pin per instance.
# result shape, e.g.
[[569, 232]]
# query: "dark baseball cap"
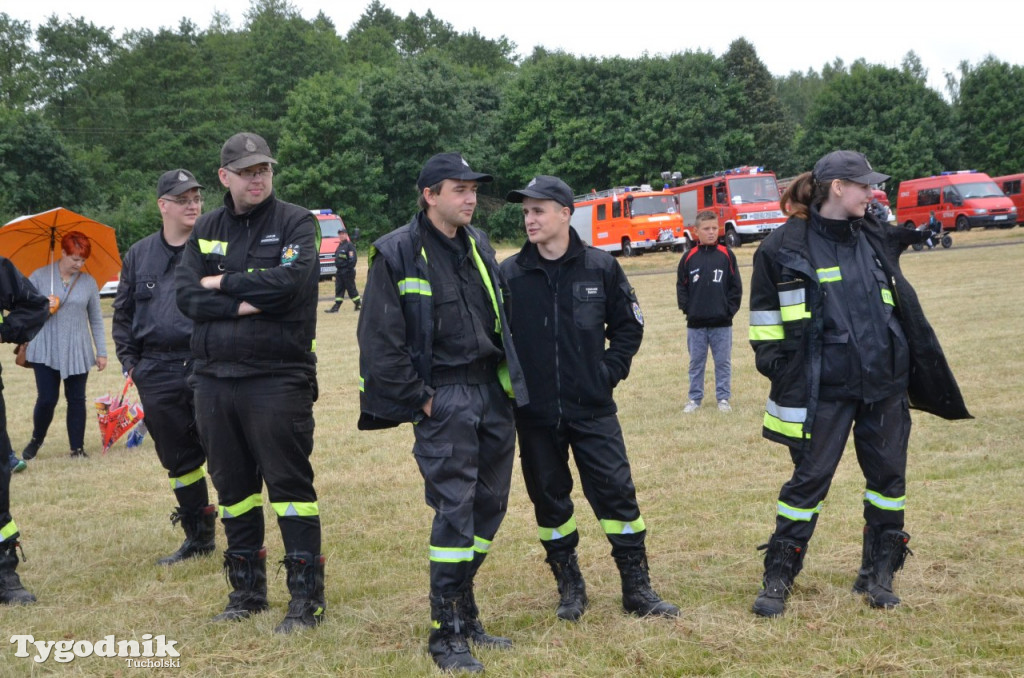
[[448, 166], [849, 165], [245, 149], [545, 187], [176, 182]]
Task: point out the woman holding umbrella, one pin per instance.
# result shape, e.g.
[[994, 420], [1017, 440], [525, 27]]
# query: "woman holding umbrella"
[[63, 349]]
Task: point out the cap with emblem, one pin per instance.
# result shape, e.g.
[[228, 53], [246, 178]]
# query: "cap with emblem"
[[245, 149], [545, 187], [175, 182], [448, 166], [848, 165]]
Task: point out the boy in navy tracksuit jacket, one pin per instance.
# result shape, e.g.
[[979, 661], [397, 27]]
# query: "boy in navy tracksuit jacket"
[[709, 290]]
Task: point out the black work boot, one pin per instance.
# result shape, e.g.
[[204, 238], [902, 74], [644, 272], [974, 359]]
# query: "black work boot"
[[783, 560], [475, 632], [447, 642], [358, 305], [637, 595], [334, 309], [31, 450], [11, 590], [572, 590], [888, 553], [860, 584], [247, 573], [199, 526], [306, 585]]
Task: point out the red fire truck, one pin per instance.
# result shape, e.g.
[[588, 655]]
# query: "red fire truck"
[[746, 200], [630, 220]]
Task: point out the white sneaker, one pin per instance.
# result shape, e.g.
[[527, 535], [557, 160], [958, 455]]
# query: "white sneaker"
[[724, 406], [691, 407]]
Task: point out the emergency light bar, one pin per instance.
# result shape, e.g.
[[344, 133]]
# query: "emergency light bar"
[[322, 211], [946, 174]]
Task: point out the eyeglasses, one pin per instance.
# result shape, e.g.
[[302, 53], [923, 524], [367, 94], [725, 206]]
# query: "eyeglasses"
[[198, 200], [249, 175]]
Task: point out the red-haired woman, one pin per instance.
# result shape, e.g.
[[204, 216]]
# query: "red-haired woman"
[[63, 349]]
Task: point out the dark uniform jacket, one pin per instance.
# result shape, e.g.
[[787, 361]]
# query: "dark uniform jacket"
[[147, 320], [27, 310], [345, 257], [708, 286], [397, 323], [269, 258], [560, 322], [788, 329]]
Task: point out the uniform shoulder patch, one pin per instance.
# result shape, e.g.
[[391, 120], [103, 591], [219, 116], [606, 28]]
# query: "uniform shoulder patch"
[[289, 253], [637, 313]]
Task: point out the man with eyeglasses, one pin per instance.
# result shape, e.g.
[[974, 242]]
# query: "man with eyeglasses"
[[249, 279], [152, 337]]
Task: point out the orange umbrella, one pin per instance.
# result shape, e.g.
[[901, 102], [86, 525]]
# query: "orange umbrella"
[[33, 241]]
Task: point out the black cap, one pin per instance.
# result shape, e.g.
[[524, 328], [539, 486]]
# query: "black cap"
[[849, 165], [448, 166], [175, 182], [545, 187], [244, 150]]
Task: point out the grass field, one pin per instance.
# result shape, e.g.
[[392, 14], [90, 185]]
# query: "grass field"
[[706, 482]]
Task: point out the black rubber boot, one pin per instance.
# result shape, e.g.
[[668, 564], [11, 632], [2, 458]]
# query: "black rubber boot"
[[199, 526], [572, 590], [475, 632], [637, 595], [247, 573], [11, 590], [306, 586], [334, 309], [887, 556], [31, 450], [860, 584], [447, 643], [783, 560]]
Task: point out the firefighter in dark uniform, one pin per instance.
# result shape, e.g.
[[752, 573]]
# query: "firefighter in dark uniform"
[[840, 333], [248, 278], [345, 273], [152, 340], [565, 299], [25, 312], [445, 362]]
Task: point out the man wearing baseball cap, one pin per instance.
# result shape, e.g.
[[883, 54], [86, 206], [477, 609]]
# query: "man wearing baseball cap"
[[249, 280], [152, 338], [838, 331], [435, 350], [566, 299]]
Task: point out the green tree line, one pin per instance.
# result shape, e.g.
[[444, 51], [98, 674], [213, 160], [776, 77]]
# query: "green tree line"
[[88, 120]]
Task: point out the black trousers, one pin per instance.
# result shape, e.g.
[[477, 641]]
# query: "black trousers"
[[345, 281], [6, 522], [600, 453], [167, 400], [260, 430], [881, 434], [465, 451]]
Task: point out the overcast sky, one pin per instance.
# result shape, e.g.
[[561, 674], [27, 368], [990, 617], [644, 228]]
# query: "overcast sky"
[[788, 34]]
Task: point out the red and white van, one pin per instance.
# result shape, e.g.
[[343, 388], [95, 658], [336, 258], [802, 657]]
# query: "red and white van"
[[745, 199], [1011, 189], [330, 226], [961, 200]]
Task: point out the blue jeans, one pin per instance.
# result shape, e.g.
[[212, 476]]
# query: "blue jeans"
[[48, 391], [719, 339]]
